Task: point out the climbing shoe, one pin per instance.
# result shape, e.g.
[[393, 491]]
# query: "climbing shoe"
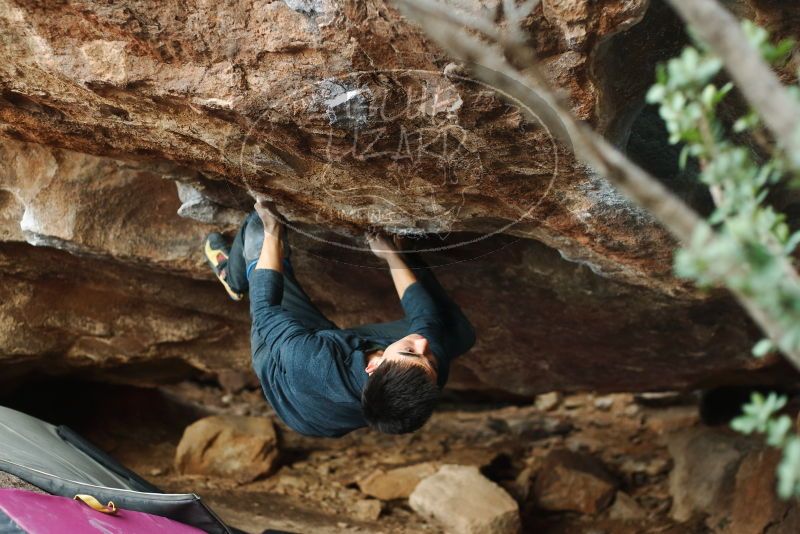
[[216, 251], [253, 238]]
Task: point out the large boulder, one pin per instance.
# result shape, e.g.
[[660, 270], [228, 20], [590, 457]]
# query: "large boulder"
[[755, 505], [464, 501], [112, 279], [343, 111], [99, 104], [115, 286], [730, 482], [236, 447], [704, 473]]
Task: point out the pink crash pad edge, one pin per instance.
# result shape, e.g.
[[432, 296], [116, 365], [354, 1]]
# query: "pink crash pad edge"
[[50, 514]]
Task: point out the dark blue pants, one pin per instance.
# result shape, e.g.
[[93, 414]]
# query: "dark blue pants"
[[295, 299]]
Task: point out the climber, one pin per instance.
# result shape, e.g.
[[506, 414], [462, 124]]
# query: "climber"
[[322, 380]]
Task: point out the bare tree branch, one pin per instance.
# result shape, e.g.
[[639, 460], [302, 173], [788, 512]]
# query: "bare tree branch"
[[491, 67], [509, 66], [720, 30]]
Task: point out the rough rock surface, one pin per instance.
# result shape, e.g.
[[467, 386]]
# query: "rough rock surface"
[[238, 447], [729, 482], [625, 508], [755, 506], [463, 500], [705, 465], [116, 288], [572, 481], [367, 509], [342, 112], [224, 98]]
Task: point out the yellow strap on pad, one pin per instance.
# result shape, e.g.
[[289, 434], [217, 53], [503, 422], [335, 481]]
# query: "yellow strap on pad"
[[95, 505]]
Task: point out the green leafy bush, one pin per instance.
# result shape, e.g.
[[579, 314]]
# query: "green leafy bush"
[[752, 242]]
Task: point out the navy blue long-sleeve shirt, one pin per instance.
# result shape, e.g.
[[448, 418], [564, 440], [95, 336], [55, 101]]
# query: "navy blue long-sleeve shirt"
[[313, 379]]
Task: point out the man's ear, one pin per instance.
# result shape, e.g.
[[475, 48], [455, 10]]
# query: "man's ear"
[[373, 364]]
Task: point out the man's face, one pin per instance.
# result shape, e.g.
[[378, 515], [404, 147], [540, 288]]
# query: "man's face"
[[412, 349]]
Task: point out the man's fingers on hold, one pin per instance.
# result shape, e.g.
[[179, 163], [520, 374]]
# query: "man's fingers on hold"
[[268, 207]]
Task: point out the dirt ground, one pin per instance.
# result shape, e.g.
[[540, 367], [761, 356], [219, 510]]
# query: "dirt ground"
[[314, 489]]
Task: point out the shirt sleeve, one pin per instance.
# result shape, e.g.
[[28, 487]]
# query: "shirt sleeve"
[[430, 318], [275, 330], [460, 332], [419, 306], [426, 319]]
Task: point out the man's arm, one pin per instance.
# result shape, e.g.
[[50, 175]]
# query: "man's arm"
[[402, 276], [434, 316], [417, 302], [272, 250], [266, 284]]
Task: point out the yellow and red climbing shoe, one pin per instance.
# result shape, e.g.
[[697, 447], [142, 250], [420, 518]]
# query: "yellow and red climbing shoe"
[[216, 252]]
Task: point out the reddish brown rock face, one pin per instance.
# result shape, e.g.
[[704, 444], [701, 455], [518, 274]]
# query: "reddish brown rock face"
[[117, 289], [342, 111], [346, 115]]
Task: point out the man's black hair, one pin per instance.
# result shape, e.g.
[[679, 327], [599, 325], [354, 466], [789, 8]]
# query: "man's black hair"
[[399, 397]]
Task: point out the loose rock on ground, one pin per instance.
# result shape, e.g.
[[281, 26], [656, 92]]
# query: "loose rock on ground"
[[238, 447], [464, 501], [576, 482]]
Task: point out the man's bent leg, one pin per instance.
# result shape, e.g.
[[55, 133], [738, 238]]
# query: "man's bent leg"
[[237, 265]]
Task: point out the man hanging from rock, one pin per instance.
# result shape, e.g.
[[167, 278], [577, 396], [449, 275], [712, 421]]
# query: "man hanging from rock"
[[323, 380]]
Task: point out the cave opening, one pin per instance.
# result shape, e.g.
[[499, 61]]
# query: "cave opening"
[[649, 147]]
